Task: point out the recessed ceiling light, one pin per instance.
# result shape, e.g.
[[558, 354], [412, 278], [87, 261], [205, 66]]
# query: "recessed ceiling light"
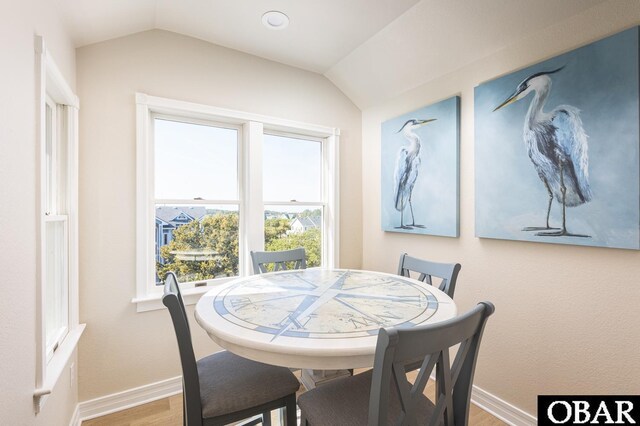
[[275, 20]]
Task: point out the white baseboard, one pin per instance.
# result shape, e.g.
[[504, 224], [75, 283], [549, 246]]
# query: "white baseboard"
[[75, 418], [129, 398], [152, 392], [501, 409]]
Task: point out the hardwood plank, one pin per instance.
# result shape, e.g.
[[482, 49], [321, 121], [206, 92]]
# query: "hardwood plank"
[[168, 412]]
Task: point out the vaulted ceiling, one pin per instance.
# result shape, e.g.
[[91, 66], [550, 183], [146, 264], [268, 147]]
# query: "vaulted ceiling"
[[371, 49], [321, 32]]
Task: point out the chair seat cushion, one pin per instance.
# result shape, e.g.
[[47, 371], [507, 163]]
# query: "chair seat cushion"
[[346, 402], [230, 383]]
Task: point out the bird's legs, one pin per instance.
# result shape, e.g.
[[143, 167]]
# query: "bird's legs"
[[541, 228], [562, 232], [402, 225], [413, 220], [550, 201]]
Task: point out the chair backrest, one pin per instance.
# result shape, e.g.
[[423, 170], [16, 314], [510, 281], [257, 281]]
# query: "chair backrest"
[[172, 299], [397, 348], [260, 259], [448, 272], [172, 278]]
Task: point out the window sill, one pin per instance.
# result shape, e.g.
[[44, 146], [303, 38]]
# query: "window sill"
[[153, 302], [56, 366]]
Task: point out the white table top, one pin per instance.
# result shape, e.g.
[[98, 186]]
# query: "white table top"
[[316, 318]]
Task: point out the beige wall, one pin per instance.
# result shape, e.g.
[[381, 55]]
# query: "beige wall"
[[122, 349], [566, 317], [581, 338], [19, 22]]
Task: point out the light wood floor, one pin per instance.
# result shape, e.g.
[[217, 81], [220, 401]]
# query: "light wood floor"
[[168, 412]]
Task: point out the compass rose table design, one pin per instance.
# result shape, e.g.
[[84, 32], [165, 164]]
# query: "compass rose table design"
[[324, 319]]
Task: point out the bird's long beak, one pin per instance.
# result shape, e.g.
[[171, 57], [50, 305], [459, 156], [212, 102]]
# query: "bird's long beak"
[[511, 99], [423, 122]]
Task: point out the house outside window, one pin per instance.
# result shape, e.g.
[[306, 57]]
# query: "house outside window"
[[196, 196], [302, 224], [214, 184], [292, 192]]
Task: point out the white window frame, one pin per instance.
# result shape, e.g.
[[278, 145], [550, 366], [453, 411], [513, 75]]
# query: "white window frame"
[[251, 225], [52, 88]]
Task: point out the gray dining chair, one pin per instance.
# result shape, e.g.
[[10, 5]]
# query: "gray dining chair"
[[281, 260], [385, 396], [427, 270], [225, 388]]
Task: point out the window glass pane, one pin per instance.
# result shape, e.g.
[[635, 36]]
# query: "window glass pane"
[[56, 296], [197, 242], [289, 227], [292, 169], [61, 174], [194, 161], [49, 162]]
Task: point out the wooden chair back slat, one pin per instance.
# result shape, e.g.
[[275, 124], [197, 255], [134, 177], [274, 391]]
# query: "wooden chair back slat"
[[397, 348], [279, 259]]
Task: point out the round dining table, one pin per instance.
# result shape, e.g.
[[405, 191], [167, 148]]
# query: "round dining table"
[[324, 319]]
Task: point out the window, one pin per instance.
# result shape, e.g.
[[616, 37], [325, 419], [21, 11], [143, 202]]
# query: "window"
[[58, 329], [56, 234], [214, 184], [197, 200], [292, 192]]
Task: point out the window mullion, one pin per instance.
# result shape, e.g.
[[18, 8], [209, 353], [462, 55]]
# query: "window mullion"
[[331, 196], [252, 219]]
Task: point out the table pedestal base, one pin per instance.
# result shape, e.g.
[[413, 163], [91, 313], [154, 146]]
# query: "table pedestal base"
[[313, 378]]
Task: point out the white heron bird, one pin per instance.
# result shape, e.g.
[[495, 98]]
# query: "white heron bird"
[[557, 146], [406, 172]]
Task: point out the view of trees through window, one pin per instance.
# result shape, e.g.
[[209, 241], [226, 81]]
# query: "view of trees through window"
[[285, 231], [201, 242], [200, 160]]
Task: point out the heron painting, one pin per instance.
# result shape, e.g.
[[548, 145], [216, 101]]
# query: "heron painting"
[[557, 146], [557, 149], [419, 170]]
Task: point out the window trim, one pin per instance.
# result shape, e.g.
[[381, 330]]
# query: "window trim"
[[50, 85], [250, 183]]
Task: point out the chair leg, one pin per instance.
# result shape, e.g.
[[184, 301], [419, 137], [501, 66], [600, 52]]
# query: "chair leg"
[[266, 418], [291, 411], [184, 410]]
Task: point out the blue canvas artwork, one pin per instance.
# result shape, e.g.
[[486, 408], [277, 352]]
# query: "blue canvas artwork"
[[419, 170], [557, 149]]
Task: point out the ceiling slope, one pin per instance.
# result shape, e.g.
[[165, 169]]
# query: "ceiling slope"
[[436, 37], [371, 49], [319, 35], [92, 21]]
